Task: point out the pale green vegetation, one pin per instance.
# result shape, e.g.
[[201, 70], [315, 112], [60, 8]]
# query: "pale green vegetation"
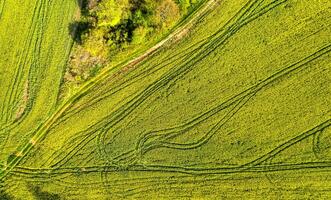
[[234, 104]]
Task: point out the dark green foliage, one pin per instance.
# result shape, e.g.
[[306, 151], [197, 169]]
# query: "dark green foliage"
[[123, 32], [119, 34]]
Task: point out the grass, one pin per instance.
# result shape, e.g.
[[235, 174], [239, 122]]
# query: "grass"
[[236, 107]]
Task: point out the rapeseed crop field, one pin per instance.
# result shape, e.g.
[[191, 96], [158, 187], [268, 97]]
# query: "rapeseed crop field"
[[231, 101]]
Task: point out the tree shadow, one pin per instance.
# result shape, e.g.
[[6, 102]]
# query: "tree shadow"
[[43, 195], [84, 5], [78, 28], [5, 196]]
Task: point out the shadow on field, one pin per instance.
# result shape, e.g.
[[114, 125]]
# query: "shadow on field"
[[5, 196], [42, 195], [79, 27]]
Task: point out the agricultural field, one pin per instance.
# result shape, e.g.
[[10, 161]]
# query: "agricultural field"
[[231, 102]]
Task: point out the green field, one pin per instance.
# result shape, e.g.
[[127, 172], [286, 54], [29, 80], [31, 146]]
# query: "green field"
[[234, 103]]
